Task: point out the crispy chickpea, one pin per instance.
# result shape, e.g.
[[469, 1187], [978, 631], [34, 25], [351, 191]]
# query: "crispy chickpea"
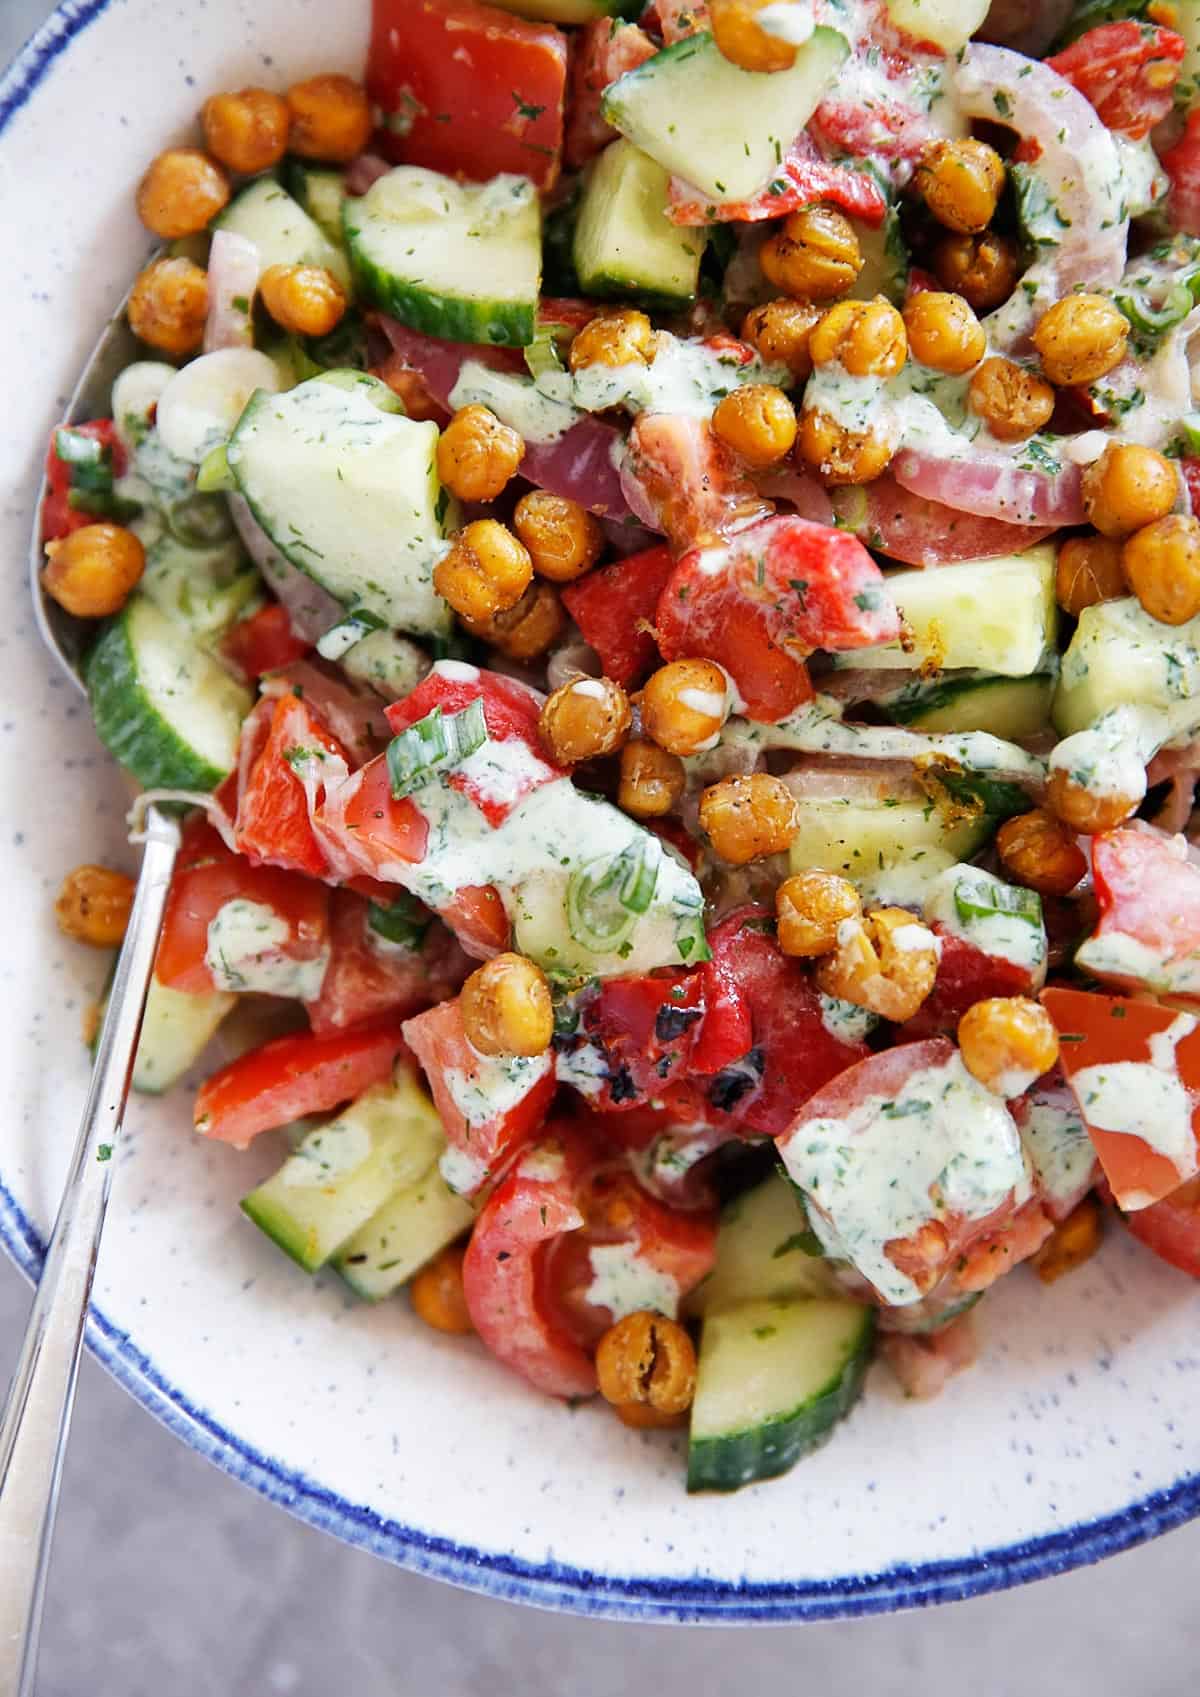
[[642, 1418], [622, 337], [960, 183], [943, 332], [91, 572], [1162, 566], [181, 193], [476, 454], [1080, 339], [684, 705], [330, 118], [1083, 810], [652, 781], [304, 300], [506, 1008], [168, 305], [646, 1358], [437, 1293], [810, 906], [93, 905], [780, 330], [886, 961], [585, 719], [867, 337], [982, 269], [743, 40], [758, 422], [564, 540], [247, 131], [748, 818], [1012, 402], [1127, 487], [1072, 1242], [1007, 1042], [839, 455], [528, 628], [1039, 852], [1088, 570], [815, 256], [486, 571]]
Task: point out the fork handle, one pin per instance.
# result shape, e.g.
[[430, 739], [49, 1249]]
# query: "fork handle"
[[37, 1415]]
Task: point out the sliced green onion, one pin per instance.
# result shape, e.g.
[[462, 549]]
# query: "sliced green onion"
[[403, 921], [542, 354], [996, 796], [338, 638], [973, 901], [433, 745], [214, 476], [605, 897], [1189, 431], [74, 448]]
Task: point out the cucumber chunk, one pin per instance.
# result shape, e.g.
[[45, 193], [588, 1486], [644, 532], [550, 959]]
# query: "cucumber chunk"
[[176, 1029], [871, 832], [624, 242], [459, 260], [722, 129], [282, 231], [411, 1228], [162, 706], [1013, 708], [773, 1380], [203, 590], [320, 191], [764, 1252], [1120, 656]]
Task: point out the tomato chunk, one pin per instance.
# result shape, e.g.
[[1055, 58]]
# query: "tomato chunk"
[[922, 532], [1182, 165], [81, 463], [965, 975], [682, 480], [1148, 933], [371, 972], [1171, 1228], [264, 642], [1128, 70], [614, 607], [286, 785], [803, 177], [603, 51]]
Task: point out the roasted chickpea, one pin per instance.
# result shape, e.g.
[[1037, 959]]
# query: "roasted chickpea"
[[304, 300], [168, 305], [652, 781], [330, 118], [1080, 339], [815, 256], [1007, 1042], [247, 131], [526, 629], [1089, 570], [839, 455], [506, 1007], [748, 818], [960, 183], [585, 719], [93, 906], [564, 540], [780, 330], [886, 961], [1072, 1242], [476, 454], [1162, 566], [437, 1295], [181, 193], [684, 705], [758, 422], [1038, 851], [867, 337], [646, 1358], [943, 332], [1127, 487], [642, 1418], [1012, 402], [982, 269], [92, 571], [622, 337], [743, 40], [809, 907], [1085, 811], [486, 571]]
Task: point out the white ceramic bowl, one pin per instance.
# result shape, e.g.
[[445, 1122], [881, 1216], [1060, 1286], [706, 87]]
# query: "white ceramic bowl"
[[1074, 1437]]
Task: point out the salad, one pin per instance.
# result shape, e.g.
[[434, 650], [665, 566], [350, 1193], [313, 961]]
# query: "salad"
[[654, 552]]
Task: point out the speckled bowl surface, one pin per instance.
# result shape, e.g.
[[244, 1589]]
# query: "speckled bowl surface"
[[1076, 1434]]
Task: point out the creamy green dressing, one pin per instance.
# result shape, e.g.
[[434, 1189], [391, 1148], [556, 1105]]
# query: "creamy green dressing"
[[626, 1284], [245, 952], [520, 402], [1059, 1149], [1111, 756], [493, 1084], [1117, 956], [1145, 1099], [787, 20], [971, 903], [846, 1021], [685, 377]]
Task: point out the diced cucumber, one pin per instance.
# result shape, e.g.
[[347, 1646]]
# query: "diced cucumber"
[[949, 24], [176, 1029], [390, 664], [1119, 655], [764, 1252], [885, 260], [282, 231], [411, 1228], [624, 242], [204, 590], [349, 494], [1014, 708], [570, 11], [864, 834], [722, 129], [320, 191], [997, 615], [773, 1380], [460, 260], [162, 706], [345, 1171]]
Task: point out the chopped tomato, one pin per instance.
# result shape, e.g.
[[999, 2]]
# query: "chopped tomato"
[[506, 1100], [468, 89], [1171, 1228], [286, 785], [292, 1077], [1158, 1053], [477, 917], [79, 492], [368, 975], [802, 178], [264, 642], [685, 481], [403, 380], [921, 532], [1182, 165], [965, 976], [614, 608], [602, 52], [1128, 70], [373, 829], [1147, 936], [206, 876]]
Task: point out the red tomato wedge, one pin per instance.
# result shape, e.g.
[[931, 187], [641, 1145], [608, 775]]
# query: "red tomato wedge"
[[366, 977], [921, 532], [468, 89], [802, 178], [292, 1077], [679, 478], [264, 642], [1128, 70], [373, 829], [965, 976], [614, 607], [603, 51], [206, 876], [1171, 1228], [285, 786], [1099, 1034], [75, 495], [1148, 933]]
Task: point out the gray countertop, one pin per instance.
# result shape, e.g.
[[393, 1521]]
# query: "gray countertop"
[[169, 1578]]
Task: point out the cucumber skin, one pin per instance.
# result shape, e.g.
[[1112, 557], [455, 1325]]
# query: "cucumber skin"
[[296, 1245], [503, 325], [743, 1458]]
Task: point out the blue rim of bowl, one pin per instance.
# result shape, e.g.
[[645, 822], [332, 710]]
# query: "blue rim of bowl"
[[557, 1585]]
